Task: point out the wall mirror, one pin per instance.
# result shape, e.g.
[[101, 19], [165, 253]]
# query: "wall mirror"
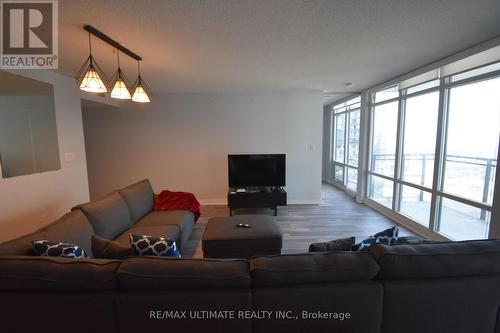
[[28, 131]]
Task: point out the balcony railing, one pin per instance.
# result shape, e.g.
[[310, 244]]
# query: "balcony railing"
[[483, 168]]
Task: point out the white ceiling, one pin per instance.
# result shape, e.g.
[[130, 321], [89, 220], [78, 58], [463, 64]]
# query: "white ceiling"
[[255, 45]]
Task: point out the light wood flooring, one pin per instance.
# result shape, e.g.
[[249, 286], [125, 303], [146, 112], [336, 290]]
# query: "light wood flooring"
[[337, 216]]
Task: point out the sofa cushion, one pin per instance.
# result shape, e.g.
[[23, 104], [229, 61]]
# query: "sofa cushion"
[[438, 260], [162, 273], [108, 249], [21, 273], [180, 218], [312, 268], [343, 244], [109, 216], [143, 245], [167, 231], [45, 248], [72, 228], [139, 198]]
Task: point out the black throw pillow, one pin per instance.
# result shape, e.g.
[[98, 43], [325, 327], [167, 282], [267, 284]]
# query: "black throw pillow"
[[343, 244], [107, 249]]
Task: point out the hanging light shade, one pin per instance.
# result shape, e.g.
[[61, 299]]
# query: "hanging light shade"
[[140, 95], [120, 83], [141, 91], [120, 90], [90, 77]]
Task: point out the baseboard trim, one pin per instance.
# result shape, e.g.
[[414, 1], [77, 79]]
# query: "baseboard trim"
[[223, 202], [213, 202], [304, 202]]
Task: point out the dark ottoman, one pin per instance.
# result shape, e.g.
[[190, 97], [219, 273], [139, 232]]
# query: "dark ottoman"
[[222, 239]]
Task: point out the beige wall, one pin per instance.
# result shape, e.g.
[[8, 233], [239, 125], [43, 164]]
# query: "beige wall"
[[31, 201], [181, 141]]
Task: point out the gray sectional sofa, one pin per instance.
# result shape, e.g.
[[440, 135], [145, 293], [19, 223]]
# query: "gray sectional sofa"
[[130, 210], [432, 288], [114, 217]]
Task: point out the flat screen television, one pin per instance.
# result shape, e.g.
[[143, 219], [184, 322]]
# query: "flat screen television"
[[256, 170]]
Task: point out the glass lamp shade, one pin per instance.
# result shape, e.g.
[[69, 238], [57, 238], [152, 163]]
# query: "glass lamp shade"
[[140, 95], [120, 90], [92, 82]]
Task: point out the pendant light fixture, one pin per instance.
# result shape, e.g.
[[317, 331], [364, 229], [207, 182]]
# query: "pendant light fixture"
[[120, 83], [90, 77], [141, 91]]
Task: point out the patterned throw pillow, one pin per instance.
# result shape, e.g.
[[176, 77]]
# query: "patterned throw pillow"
[[45, 248], [153, 246], [387, 237]]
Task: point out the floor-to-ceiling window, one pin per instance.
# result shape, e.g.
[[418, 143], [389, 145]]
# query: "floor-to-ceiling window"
[[345, 142], [465, 195], [433, 151], [384, 129], [417, 154]]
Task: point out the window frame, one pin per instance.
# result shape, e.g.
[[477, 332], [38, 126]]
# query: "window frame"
[[436, 191], [344, 108]]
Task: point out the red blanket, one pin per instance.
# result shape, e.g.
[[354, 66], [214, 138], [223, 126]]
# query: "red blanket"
[[168, 200]]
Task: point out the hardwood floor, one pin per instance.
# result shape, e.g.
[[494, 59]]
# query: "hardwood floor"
[[337, 216]]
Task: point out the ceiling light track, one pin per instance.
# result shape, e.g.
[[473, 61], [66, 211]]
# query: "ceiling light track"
[[105, 38]]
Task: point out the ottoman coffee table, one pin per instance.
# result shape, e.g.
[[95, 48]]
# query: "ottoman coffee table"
[[224, 239]]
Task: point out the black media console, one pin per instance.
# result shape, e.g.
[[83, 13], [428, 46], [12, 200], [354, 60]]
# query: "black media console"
[[256, 198]]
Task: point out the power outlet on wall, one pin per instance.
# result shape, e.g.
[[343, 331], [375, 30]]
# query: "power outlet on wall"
[[69, 157]]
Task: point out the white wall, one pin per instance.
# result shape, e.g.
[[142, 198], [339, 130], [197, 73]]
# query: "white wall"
[[31, 201], [181, 141]]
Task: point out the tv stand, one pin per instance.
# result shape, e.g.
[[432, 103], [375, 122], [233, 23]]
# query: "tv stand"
[[256, 197]]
